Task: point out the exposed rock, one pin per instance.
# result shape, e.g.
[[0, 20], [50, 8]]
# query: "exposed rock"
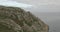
[[14, 19]]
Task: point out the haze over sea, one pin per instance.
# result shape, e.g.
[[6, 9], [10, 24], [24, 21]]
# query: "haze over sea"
[[52, 19]]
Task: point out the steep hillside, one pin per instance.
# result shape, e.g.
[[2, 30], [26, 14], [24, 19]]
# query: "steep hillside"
[[14, 19]]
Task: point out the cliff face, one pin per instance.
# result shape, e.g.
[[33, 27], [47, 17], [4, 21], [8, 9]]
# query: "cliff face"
[[14, 19]]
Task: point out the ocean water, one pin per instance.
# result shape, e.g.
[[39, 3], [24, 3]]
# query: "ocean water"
[[52, 19]]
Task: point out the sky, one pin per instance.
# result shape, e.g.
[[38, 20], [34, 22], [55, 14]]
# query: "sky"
[[35, 5], [54, 5], [13, 3], [43, 5]]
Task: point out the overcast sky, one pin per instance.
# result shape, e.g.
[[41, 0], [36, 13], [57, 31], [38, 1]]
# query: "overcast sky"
[[43, 5], [37, 5]]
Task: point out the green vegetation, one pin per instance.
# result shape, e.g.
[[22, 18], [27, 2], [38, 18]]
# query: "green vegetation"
[[4, 28], [22, 23]]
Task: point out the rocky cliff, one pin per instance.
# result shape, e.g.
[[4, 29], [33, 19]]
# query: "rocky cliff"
[[14, 19]]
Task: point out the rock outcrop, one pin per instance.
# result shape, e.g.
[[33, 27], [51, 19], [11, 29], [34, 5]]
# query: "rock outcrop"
[[14, 19]]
